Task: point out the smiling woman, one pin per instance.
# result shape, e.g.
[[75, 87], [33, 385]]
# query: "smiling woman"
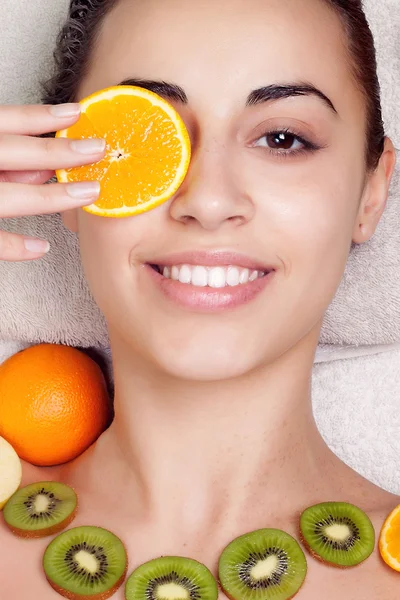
[[279, 173], [214, 300]]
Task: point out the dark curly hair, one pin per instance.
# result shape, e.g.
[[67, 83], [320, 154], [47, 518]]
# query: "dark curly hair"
[[78, 37]]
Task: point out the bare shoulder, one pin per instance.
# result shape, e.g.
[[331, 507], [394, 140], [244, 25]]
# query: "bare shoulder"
[[385, 580], [384, 504], [372, 579], [375, 578], [358, 490], [21, 572]]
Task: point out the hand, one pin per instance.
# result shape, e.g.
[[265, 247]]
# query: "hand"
[[27, 162]]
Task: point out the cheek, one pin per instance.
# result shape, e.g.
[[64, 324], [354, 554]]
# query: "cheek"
[[306, 218], [106, 247], [308, 204]]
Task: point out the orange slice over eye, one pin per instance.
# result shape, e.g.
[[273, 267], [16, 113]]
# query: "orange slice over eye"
[[389, 541], [147, 155]]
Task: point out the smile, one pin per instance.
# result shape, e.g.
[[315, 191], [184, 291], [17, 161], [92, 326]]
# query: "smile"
[[216, 277]]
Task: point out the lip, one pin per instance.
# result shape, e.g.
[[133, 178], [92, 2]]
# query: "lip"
[[211, 259], [206, 299]]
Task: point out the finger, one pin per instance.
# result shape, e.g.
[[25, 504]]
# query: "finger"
[[15, 247], [18, 199], [33, 177], [24, 153], [35, 119]]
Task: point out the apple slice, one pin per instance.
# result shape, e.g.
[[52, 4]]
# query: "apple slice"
[[10, 471]]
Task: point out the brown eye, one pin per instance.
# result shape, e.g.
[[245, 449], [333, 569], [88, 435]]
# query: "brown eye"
[[280, 140]]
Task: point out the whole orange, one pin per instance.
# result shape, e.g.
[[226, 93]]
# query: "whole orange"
[[53, 403]]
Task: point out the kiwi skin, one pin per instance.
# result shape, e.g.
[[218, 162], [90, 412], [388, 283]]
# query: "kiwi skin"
[[41, 533], [101, 596], [321, 560], [30, 535], [232, 598]]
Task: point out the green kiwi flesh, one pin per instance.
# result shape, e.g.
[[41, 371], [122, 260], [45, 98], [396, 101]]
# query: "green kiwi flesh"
[[88, 562], [40, 509], [338, 533], [171, 578], [267, 564]]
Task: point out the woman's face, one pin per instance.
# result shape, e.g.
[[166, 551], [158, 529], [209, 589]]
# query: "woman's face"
[[278, 203]]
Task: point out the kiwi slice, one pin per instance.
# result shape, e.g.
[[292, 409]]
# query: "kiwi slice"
[[171, 578], [337, 533], [267, 564], [85, 562], [40, 509]]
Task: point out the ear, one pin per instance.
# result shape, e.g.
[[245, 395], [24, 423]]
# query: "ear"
[[375, 195], [70, 219]]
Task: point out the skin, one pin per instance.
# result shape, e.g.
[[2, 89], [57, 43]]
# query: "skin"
[[216, 438]]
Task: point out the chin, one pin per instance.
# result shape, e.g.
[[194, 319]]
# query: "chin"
[[192, 350], [210, 351], [206, 364]]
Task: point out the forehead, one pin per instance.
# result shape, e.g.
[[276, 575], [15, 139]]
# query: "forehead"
[[223, 48]]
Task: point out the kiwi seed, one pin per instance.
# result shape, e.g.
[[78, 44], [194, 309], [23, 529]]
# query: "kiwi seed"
[[267, 564], [85, 562], [171, 578], [40, 509], [337, 533]]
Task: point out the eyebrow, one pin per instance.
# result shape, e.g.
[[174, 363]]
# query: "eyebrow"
[[169, 91], [288, 90], [270, 93]]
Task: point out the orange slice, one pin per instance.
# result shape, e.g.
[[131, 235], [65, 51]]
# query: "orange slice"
[[389, 541], [148, 150]]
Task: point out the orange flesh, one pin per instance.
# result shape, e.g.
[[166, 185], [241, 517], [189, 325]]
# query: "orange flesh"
[[144, 150], [393, 537]]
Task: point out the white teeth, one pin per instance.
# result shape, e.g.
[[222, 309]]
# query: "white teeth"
[[185, 274], [233, 276], [214, 277], [199, 276], [244, 276], [217, 277], [253, 276]]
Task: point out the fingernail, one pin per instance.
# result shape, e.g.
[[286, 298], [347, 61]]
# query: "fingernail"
[[33, 245], [90, 146], [71, 109], [83, 189]]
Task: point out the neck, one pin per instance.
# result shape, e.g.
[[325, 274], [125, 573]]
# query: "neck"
[[193, 452]]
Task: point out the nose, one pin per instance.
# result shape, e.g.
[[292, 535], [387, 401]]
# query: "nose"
[[211, 195]]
